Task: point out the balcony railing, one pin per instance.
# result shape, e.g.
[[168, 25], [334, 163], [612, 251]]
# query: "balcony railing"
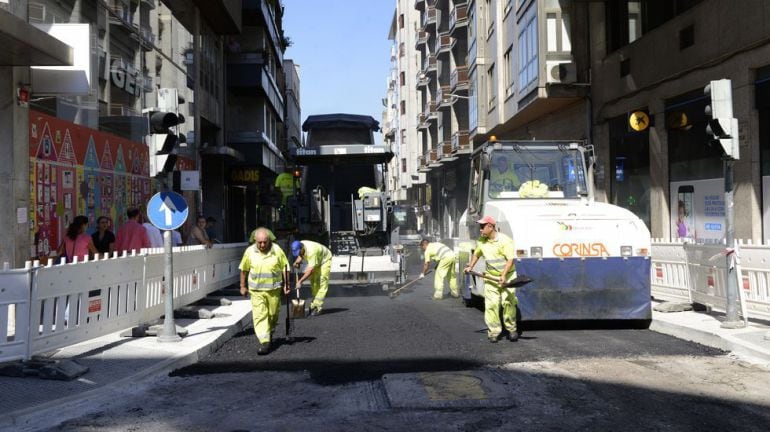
[[446, 148], [461, 142], [422, 121], [429, 64], [443, 43], [429, 17], [444, 96], [459, 78], [433, 155], [422, 79], [422, 38], [431, 111], [458, 17], [419, 4]]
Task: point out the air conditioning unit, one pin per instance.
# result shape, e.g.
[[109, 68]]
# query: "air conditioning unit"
[[36, 12], [560, 72]]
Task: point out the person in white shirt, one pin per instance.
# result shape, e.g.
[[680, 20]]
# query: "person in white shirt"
[[176, 238], [153, 233]]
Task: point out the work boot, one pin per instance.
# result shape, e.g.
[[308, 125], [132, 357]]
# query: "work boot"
[[315, 311], [492, 339], [455, 295], [438, 297], [513, 336], [264, 349]]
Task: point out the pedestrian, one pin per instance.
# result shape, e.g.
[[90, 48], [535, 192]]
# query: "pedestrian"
[[265, 267], [198, 234], [103, 238], [211, 229], [176, 238], [154, 234], [319, 267], [132, 236], [445, 267], [76, 243], [498, 252]]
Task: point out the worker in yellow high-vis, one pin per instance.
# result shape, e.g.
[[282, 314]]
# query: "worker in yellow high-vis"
[[318, 270], [284, 182], [264, 270], [498, 252], [502, 178], [445, 267]]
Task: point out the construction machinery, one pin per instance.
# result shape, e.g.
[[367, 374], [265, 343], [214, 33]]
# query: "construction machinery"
[[340, 200]]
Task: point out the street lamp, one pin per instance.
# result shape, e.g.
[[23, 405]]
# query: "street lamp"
[[451, 98]]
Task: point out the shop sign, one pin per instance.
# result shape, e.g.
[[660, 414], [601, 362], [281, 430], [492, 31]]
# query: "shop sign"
[[244, 175], [123, 79]]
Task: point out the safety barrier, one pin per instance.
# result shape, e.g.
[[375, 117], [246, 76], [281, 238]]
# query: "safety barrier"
[[43, 308], [693, 272]]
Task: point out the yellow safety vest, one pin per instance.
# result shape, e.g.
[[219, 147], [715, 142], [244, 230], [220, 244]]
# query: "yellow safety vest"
[[496, 253], [265, 270], [499, 182], [316, 253], [285, 183], [438, 251]]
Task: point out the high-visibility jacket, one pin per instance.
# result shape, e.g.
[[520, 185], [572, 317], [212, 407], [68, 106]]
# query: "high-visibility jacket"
[[265, 270], [316, 253], [506, 181], [496, 252], [285, 183], [438, 251]]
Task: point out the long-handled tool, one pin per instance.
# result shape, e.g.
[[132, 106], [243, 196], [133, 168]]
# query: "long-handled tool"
[[517, 282], [288, 317], [298, 304], [395, 293]]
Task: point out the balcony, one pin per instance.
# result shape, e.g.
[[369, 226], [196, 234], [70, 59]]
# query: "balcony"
[[433, 159], [444, 96], [458, 17], [147, 84], [422, 121], [422, 164], [422, 79], [431, 111], [430, 64], [461, 142], [429, 18], [149, 3], [419, 4], [443, 44], [422, 39], [458, 80], [446, 149], [120, 13]]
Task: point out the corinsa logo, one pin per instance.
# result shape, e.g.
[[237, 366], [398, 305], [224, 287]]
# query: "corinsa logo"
[[580, 249]]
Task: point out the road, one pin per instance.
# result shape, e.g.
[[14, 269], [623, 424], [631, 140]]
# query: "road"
[[413, 363]]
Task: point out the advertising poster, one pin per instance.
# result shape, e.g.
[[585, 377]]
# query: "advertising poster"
[[74, 171], [698, 210]]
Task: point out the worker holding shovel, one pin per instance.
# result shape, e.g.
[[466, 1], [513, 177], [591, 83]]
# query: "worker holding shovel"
[[318, 270], [498, 252], [445, 268]]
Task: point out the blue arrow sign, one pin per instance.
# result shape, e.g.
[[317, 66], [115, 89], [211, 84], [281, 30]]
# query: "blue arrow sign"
[[167, 210]]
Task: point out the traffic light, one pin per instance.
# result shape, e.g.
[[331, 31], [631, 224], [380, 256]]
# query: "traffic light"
[[164, 136], [719, 112]]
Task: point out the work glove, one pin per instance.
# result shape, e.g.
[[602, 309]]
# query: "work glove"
[[422, 275]]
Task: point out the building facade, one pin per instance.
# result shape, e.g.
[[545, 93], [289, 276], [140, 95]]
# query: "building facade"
[[627, 77]]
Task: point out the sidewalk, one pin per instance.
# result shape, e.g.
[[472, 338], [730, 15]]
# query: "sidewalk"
[[118, 365], [751, 343]]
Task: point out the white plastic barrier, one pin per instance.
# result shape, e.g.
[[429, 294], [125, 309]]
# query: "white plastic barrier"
[[60, 305], [697, 273]]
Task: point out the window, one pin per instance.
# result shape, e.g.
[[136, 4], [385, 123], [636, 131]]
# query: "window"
[[489, 19], [402, 78], [557, 31], [403, 107], [628, 20], [528, 50], [401, 50], [473, 112], [508, 72], [403, 165], [401, 21], [491, 87]]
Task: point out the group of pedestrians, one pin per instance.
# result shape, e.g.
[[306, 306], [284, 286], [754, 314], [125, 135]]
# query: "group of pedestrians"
[[133, 235], [265, 274]]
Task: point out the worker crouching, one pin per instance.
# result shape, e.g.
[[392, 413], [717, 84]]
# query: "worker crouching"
[[265, 267], [319, 267]]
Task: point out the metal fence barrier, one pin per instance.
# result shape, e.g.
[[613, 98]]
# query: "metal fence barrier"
[[693, 272], [43, 308]]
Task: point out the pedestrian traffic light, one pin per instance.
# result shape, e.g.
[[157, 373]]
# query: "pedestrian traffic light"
[[719, 116], [164, 136]]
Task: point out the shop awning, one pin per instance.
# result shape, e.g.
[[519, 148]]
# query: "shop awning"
[[25, 45]]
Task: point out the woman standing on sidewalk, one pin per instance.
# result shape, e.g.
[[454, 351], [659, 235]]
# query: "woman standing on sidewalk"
[[76, 242]]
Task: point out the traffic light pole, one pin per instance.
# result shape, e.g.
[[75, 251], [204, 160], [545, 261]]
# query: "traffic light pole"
[[169, 333], [732, 320]]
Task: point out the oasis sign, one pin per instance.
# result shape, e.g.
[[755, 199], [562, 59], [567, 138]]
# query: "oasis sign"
[[580, 249], [243, 175]]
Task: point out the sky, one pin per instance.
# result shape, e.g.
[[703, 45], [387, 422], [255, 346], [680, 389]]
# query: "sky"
[[343, 51]]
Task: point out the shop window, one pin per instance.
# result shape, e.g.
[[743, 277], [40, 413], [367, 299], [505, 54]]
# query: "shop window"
[[691, 154]]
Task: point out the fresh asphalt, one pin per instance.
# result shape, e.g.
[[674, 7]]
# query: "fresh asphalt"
[[363, 334]]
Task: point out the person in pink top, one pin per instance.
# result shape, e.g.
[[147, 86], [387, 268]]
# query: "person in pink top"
[[132, 235], [76, 243]]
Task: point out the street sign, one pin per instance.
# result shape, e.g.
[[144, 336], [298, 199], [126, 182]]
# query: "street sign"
[[167, 210]]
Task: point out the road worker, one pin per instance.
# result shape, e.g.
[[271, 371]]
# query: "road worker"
[[266, 268], [284, 182], [498, 252], [502, 178], [319, 267], [445, 267]]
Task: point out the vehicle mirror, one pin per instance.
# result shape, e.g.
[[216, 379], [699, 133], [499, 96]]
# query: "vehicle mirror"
[[484, 161]]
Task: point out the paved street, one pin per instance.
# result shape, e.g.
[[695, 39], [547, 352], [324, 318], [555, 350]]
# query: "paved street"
[[375, 363]]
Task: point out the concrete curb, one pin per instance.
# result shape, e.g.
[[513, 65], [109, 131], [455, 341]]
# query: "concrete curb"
[[52, 413]]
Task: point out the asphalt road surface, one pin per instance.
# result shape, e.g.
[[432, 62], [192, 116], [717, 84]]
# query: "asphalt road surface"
[[413, 363]]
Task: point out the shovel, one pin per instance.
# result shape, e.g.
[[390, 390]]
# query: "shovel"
[[297, 304], [395, 293], [517, 282]]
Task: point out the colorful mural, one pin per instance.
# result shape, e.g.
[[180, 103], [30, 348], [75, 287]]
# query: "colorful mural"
[[75, 170]]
